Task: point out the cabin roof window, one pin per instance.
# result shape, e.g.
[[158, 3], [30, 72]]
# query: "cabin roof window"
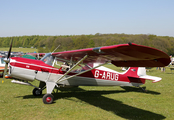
[[48, 59]]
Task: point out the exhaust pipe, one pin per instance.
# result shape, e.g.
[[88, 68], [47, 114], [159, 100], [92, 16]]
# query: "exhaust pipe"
[[23, 83], [20, 82]]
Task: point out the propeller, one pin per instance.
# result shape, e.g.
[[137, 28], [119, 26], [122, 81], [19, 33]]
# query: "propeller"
[[7, 60]]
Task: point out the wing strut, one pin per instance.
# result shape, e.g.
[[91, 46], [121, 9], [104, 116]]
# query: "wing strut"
[[73, 67], [82, 72]]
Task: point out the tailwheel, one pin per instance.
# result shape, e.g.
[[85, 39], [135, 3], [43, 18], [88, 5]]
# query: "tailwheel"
[[143, 89], [37, 92], [48, 98]]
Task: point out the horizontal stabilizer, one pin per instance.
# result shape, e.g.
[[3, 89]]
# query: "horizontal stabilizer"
[[148, 77]]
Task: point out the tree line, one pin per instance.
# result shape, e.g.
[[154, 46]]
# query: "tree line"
[[72, 42]]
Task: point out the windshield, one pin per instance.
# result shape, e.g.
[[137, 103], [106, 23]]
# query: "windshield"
[[48, 59]]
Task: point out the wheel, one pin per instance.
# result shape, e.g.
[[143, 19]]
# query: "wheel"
[[48, 98], [37, 92]]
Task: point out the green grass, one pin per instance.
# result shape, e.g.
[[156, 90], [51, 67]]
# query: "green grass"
[[24, 50], [89, 103]]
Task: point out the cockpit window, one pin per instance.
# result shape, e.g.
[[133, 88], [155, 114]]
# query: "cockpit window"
[[81, 67], [48, 59]]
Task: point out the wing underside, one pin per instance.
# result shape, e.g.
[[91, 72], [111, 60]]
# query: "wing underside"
[[123, 55]]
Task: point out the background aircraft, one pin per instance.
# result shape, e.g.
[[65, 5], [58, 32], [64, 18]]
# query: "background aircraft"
[[2, 66], [84, 67]]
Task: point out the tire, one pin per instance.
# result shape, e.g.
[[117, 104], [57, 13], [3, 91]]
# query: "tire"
[[48, 98], [37, 92]]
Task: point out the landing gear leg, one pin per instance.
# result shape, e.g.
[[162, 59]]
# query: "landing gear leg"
[[48, 98], [42, 85]]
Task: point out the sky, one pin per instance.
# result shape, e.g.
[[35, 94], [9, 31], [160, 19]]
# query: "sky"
[[77, 17]]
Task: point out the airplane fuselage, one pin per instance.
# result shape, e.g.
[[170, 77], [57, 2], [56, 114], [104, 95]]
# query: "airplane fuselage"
[[29, 70]]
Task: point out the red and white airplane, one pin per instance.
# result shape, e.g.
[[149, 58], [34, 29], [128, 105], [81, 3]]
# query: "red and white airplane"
[[84, 67]]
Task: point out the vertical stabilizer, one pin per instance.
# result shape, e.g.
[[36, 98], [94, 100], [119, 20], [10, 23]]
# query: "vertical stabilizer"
[[132, 72]]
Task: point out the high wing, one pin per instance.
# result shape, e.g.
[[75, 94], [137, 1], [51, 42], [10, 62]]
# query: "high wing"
[[122, 55]]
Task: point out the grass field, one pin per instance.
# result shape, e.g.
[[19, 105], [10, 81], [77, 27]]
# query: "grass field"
[[92, 103]]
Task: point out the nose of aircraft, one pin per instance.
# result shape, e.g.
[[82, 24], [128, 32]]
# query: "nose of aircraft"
[[7, 59]]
